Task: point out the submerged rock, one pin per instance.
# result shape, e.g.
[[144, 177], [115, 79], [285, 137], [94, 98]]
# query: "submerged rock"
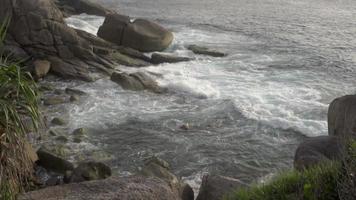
[[89, 171], [215, 187], [158, 58], [54, 100], [316, 150], [136, 81], [205, 51], [58, 121], [72, 91], [52, 162], [121, 188], [141, 34]]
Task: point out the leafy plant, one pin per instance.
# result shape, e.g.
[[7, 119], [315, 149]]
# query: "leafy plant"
[[18, 101]]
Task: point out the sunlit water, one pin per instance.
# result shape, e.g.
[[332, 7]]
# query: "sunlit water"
[[246, 112]]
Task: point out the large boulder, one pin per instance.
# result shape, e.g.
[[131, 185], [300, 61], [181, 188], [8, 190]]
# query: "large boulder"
[[120, 188], [215, 187], [37, 30], [342, 117], [316, 150], [140, 34], [76, 7], [136, 81]]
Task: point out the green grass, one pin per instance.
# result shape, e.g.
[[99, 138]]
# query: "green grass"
[[18, 100], [312, 184]]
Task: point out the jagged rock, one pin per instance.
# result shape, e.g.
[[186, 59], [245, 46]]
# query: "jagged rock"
[[141, 34], [54, 100], [76, 7], [126, 60], [342, 117], [41, 68], [158, 58], [136, 81], [215, 187], [89, 171], [52, 162], [316, 150], [72, 91], [58, 121], [37, 29], [123, 188], [205, 51]]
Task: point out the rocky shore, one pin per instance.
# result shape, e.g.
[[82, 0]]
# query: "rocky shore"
[[38, 35]]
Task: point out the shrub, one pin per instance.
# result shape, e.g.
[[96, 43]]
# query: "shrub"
[[18, 99]]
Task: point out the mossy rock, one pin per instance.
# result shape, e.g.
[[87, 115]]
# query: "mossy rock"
[[58, 121], [90, 171]]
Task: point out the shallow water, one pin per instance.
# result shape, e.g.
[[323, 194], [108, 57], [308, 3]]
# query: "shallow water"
[[246, 112]]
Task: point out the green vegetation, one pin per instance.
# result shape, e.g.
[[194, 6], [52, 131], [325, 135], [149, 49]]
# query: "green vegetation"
[[18, 101], [328, 181]]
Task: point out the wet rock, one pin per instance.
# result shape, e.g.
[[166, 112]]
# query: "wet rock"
[[58, 121], [74, 98], [54, 100], [89, 171], [70, 69], [123, 188], [215, 187], [136, 81], [62, 139], [342, 117], [41, 68], [76, 7], [80, 132], [316, 150], [77, 140], [127, 61], [158, 58], [46, 87], [141, 34], [52, 162], [186, 192], [72, 91], [58, 92], [206, 51]]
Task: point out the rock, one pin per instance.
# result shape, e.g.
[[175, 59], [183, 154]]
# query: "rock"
[[136, 81], [46, 87], [205, 51], [77, 140], [215, 187], [141, 34], [342, 117], [73, 98], [76, 7], [58, 121], [186, 192], [72, 91], [316, 150], [127, 61], [123, 188], [38, 30], [54, 100], [62, 139], [158, 58], [79, 132], [41, 68], [90, 171], [53, 162], [58, 91], [158, 161]]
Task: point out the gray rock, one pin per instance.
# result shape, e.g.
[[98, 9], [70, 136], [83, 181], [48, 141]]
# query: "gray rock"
[[58, 121], [89, 171], [127, 60], [215, 187], [52, 162], [342, 117], [316, 150], [121, 188], [205, 51], [80, 132], [41, 68], [54, 100], [73, 98], [158, 58], [76, 7], [141, 34], [62, 139], [72, 91]]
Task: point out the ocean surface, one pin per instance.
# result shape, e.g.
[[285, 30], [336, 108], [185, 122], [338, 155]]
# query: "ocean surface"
[[246, 112]]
